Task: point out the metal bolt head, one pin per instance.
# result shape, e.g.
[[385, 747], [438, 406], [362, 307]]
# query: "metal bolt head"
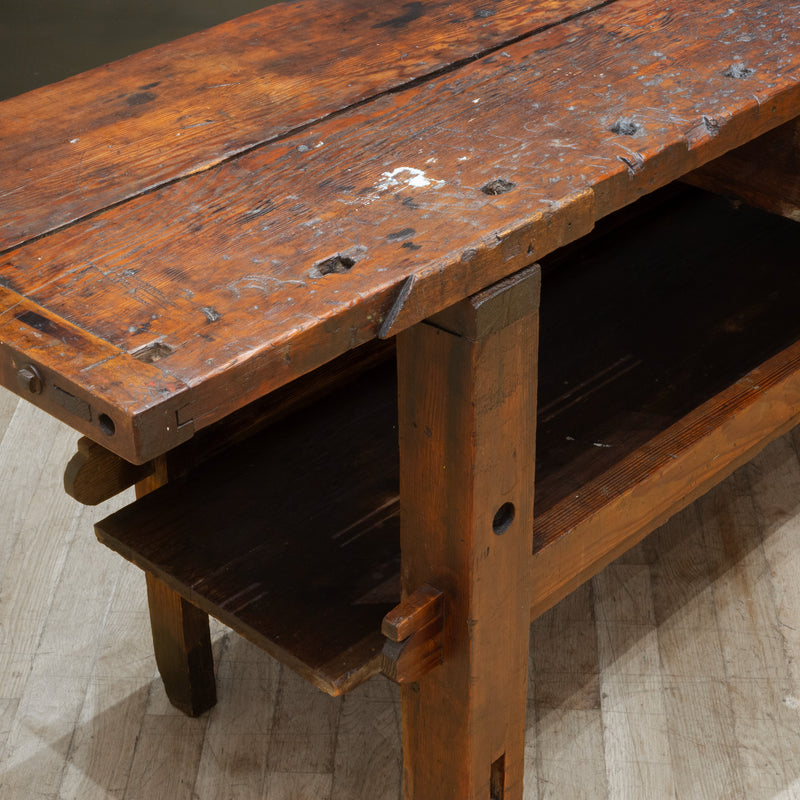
[[30, 380]]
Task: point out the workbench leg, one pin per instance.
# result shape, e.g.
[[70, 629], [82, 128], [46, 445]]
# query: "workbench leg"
[[467, 427], [181, 637]]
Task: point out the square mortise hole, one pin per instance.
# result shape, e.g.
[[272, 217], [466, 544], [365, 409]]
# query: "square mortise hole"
[[151, 353]]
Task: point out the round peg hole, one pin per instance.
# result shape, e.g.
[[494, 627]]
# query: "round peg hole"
[[107, 425], [503, 518]]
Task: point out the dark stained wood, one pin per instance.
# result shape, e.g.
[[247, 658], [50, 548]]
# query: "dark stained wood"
[[650, 320], [88, 142], [181, 635], [610, 514], [764, 173], [668, 358], [182, 647], [291, 538], [95, 474], [467, 440], [261, 269]]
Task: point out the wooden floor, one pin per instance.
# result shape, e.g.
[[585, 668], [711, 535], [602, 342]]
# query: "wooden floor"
[[673, 674]]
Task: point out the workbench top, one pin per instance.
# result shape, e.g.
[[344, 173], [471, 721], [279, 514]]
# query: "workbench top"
[[189, 228]]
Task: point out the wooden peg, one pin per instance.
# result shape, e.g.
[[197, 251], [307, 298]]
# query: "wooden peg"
[[414, 631]]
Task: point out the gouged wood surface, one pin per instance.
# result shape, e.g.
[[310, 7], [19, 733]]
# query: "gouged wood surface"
[[583, 118], [101, 137]]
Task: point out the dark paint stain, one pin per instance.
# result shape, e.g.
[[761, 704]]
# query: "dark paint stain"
[[411, 246], [141, 329], [140, 98], [40, 323], [398, 236], [413, 11], [409, 202], [6, 283], [149, 86]]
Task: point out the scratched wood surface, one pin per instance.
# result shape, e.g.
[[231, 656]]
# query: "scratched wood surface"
[[236, 279], [181, 107], [674, 673]]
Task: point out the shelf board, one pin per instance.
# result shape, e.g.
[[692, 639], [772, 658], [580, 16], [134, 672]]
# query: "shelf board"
[[669, 355], [292, 538]]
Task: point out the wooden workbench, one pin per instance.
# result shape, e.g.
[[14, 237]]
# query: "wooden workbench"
[[211, 239]]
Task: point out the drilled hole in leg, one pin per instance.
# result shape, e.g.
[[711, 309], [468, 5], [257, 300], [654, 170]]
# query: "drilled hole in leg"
[[503, 518]]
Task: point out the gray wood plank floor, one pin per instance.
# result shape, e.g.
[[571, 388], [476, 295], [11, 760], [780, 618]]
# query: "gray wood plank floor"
[[675, 673]]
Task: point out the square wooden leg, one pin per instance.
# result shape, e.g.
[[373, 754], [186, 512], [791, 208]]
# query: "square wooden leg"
[[181, 636], [467, 417]]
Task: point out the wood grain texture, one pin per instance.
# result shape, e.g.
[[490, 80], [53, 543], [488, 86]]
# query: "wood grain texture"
[[278, 260], [106, 135], [466, 415]]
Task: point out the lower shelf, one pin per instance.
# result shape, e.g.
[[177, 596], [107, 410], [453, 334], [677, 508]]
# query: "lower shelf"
[[292, 538], [669, 355]]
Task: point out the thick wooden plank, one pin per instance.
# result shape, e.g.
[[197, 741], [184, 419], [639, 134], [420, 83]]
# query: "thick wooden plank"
[[283, 258], [467, 444], [279, 541], [105, 393], [764, 173], [98, 138]]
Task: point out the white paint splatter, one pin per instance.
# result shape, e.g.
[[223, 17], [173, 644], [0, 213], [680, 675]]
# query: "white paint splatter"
[[74, 141], [407, 176]]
